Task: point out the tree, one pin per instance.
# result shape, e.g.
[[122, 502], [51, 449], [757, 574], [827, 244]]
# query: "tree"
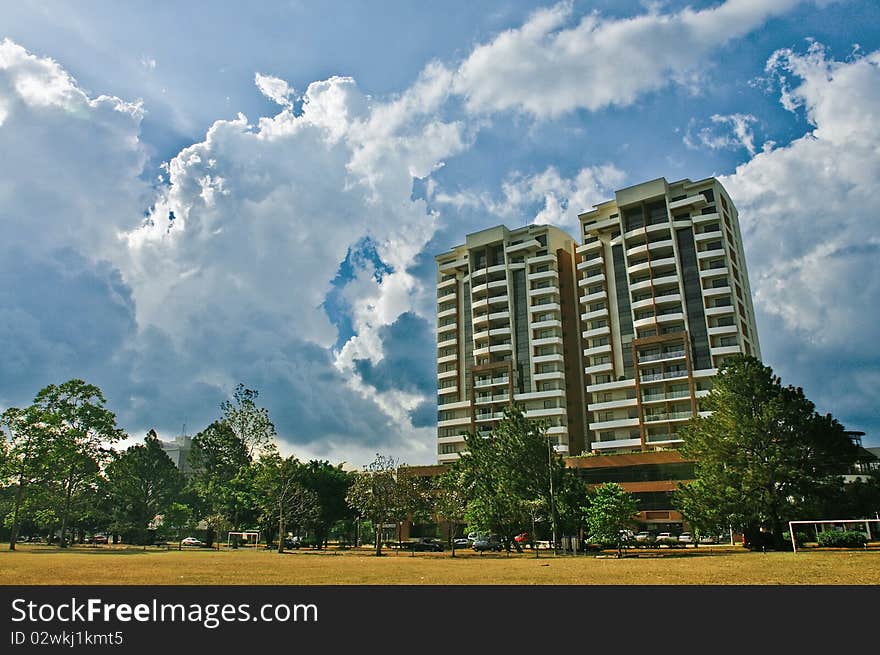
[[610, 513], [82, 429], [249, 423], [504, 473], [143, 482], [764, 456], [450, 502], [222, 476], [177, 517], [376, 495], [25, 457], [331, 484], [282, 496]]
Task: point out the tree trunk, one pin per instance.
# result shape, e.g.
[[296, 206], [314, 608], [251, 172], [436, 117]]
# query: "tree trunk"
[[280, 529], [378, 540], [66, 513], [19, 495]]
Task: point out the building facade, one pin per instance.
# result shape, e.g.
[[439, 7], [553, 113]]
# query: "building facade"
[[613, 341], [665, 297], [508, 330]]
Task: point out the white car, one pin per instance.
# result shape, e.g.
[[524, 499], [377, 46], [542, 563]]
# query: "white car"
[[191, 541], [686, 538], [666, 535], [643, 536]]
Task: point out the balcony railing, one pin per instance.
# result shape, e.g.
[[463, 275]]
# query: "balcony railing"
[[652, 377], [666, 355]]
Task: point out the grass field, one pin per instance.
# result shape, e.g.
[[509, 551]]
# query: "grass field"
[[35, 565]]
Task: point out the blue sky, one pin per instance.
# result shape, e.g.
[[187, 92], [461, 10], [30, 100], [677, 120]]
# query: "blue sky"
[[316, 158]]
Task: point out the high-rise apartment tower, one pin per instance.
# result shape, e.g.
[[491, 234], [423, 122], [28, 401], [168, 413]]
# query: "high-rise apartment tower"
[[508, 329], [665, 298]]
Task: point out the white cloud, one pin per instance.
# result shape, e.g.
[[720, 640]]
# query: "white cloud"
[[228, 272], [809, 210], [727, 133], [275, 89], [545, 198], [549, 66]]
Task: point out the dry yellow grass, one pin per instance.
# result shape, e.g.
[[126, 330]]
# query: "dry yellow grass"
[[35, 565]]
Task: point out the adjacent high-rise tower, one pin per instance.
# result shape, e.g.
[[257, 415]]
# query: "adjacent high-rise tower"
[[665, 297], [507, 329]]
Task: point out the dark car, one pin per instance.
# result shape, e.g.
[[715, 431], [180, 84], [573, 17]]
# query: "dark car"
[[488, 543], [431, 545]]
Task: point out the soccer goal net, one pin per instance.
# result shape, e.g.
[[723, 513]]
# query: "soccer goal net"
[[244, 538], [870, 527]]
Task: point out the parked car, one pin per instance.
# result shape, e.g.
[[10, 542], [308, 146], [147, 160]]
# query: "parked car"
[[523, 538], [463, 542], [708, 539], [488, 543], [666, 535], [100, 539], [686, 538], [293, 542], [191, 541], [432, 545], [644, 536]]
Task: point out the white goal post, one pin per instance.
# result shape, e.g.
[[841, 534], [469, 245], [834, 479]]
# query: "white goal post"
[[818, 522], [248, 537]]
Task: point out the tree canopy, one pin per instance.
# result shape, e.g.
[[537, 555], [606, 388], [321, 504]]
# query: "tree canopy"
[[764, 456]]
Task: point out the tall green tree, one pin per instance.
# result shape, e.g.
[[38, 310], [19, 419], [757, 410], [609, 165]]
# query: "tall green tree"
[[282, 497], [450, 502], [143, 482], [763, 457], [503, 474], [82, 430], [610, 513], [382, 495], [222, 477], [249, 423], [26, 445], [330, 483]]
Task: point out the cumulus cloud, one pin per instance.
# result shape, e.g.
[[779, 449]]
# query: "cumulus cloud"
[[552, 64], [545, 198], [275, 89], [810, 221], [225, 275], [726, 133]]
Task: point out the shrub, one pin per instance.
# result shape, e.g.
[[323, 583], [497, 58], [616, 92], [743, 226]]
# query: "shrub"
[[800, 538], [848, 539], [671, 543]]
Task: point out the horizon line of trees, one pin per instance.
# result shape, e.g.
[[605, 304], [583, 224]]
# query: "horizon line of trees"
[[763, 456]]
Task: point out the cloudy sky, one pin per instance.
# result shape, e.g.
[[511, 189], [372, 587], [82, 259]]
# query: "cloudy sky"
[[198, 194]]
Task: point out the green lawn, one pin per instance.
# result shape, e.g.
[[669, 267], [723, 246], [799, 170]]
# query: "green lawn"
[[34, 565]]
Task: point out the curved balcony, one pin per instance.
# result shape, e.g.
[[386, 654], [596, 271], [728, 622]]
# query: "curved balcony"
[[550, 290], [597, 350], [545, 307], [592, 297], [598, 313], [708, 254], [596, 332], [447, 312], [599, 368], [451, 327], [445, 375], [593, 279], [548, 341], [552, 274], [529, 244]]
